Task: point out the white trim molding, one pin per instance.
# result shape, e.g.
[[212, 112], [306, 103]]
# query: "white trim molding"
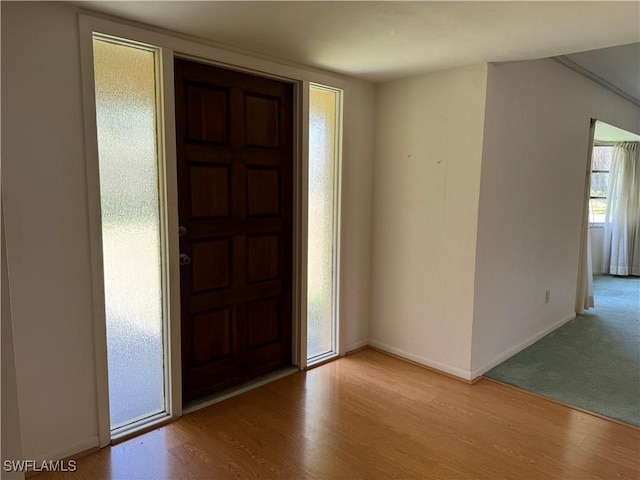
[[350, 347], [427, 362], [69, 451], [567, 62]]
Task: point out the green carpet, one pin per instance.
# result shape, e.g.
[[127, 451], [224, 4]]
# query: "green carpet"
[[591, 362]]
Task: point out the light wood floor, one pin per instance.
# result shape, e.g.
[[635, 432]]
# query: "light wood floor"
[[371, 416]]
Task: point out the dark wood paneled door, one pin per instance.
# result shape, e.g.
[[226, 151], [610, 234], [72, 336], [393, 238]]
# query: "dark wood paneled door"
[[235, 200]]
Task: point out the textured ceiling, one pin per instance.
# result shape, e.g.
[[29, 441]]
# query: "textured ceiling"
[[379, 41], [608, 133]]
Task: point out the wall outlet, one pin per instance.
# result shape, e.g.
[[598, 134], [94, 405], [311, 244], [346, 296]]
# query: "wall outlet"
[[547, 294]]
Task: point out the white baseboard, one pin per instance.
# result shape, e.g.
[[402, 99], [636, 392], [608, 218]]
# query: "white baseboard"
[[455, 371], [476, 372], [69, 450], [356, 345]]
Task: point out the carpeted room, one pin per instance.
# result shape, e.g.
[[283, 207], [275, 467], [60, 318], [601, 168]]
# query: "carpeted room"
[[593, 361]]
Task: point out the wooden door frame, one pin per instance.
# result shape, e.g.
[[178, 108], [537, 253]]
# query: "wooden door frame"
[[173, 46]]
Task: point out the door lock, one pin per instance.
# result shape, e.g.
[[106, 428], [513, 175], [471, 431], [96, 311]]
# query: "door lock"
[[185, 259]]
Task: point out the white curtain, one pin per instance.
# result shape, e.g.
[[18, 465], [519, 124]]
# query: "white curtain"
[[584, 300], [621, 255], [584, 293]]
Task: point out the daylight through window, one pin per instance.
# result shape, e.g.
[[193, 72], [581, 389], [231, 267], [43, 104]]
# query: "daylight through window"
[[324, 160], [600, 166], [126, 117]]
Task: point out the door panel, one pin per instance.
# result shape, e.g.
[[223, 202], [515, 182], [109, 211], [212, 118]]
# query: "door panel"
[[263, 191], [235, 181], [209, 196]]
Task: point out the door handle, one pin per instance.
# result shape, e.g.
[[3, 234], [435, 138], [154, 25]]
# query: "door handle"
[[184, 259]]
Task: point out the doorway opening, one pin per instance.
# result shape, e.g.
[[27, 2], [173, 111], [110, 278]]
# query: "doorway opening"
[[132, 205], [615, 172]]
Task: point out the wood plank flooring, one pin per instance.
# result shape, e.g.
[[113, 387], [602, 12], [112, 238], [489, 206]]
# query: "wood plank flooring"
[[370, 416]]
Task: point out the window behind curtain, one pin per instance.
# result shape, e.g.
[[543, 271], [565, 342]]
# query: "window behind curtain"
[[600, 166]]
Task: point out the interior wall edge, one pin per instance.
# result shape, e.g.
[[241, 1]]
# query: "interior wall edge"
[[529, 221], [11, 429], [425, 206], [510, 352], [48, 255], [567, 62], [357, 345], [457, 372]]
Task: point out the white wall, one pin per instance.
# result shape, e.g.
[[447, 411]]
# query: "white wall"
[[47, 228], [44, 190], [11, 442], [429, 132], [357, 178], [531, 198]]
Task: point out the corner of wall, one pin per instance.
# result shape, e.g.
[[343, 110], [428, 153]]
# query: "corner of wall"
[[425, 206], [357, 186], [537, 121], [11, 429], [508, 353]]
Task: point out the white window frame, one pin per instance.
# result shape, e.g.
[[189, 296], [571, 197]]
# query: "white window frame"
[[171, 46], [597, 144], [337, 341], [123, 432]]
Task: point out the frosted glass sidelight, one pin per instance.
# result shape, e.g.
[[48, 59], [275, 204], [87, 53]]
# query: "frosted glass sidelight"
[[127, 147], [323, 137]]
